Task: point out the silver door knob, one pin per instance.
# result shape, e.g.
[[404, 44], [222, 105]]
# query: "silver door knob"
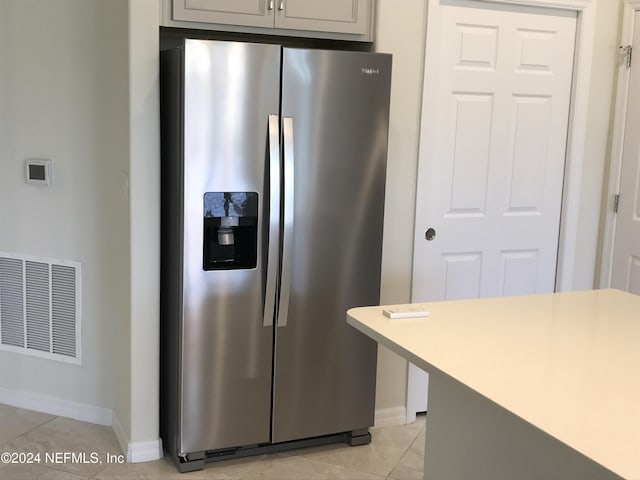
[[430, 234]]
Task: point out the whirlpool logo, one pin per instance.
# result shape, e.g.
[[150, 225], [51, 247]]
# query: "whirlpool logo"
[[370, 71]]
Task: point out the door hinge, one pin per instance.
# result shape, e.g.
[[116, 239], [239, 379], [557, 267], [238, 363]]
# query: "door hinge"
[[626, 52], [616, 202]]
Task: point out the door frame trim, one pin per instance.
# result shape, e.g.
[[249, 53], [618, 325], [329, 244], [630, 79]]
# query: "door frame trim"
[[576, 134], [630, 8]]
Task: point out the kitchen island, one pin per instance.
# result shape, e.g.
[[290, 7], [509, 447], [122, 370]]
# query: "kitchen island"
[[530, 387]]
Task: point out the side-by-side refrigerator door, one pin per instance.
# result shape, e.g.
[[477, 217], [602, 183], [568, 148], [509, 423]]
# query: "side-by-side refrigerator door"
[[335, 112], [230, 94]]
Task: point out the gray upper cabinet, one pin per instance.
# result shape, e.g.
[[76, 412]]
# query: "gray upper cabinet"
[[252, 13], [341, 16], [337, 19]]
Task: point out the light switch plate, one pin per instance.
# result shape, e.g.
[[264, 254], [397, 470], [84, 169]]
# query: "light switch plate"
[[38, 171]]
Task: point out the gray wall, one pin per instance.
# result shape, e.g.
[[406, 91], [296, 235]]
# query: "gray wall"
[[64, 97]]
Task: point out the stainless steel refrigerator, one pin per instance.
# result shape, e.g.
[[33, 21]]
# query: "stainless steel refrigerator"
[[273, 177]]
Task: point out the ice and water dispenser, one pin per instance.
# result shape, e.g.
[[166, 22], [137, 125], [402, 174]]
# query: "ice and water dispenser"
[[230, 230]]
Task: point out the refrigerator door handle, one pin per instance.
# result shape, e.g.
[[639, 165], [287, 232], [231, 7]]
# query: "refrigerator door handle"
[[287, 241], [274, 221]]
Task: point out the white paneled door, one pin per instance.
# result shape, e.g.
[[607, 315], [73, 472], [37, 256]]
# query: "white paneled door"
[[626, 254], [492, 153]]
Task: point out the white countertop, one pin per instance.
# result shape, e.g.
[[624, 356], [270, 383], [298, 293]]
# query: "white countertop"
[[568, 363]]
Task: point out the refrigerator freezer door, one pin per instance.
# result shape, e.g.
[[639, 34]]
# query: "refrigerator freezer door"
[[230, 89], [324, 369]]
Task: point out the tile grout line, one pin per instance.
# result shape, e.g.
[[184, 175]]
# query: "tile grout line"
[[27, 432], [45, 466], [413, 441], [405, 452], [53, 467]]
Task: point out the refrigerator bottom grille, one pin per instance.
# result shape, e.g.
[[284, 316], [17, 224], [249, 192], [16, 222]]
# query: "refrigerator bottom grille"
[[197, 460]]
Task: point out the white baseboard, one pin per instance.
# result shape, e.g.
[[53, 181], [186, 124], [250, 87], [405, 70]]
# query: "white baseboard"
[[136, 451], [385, 417], [56, 406], [145, 451]]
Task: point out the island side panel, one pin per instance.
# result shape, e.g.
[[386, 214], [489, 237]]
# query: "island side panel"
[[468, 437]]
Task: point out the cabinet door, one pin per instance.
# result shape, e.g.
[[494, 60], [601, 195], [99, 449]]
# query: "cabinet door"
[[255, 13], [340, 16]]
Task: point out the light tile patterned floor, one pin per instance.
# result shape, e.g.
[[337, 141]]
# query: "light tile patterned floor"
[[396, 453]]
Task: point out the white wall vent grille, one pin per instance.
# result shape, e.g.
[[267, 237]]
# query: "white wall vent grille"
[[40, 307]]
